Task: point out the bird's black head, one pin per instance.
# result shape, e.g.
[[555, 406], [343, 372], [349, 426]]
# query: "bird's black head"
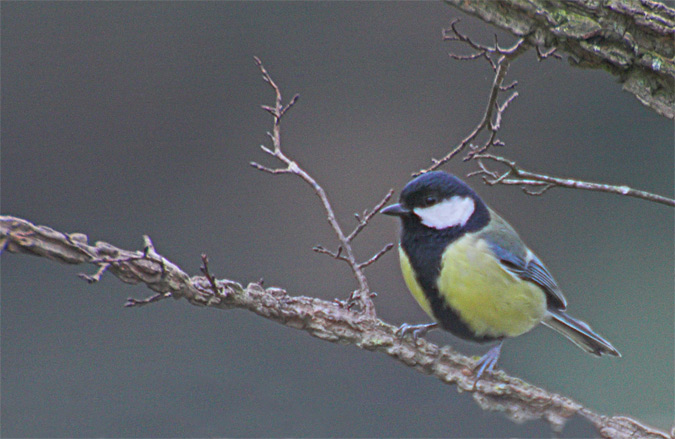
[[441, 201]]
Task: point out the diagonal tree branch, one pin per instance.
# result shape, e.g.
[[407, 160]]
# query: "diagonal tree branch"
[[324, 320]]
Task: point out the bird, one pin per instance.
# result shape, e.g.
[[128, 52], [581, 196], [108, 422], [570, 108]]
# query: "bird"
[[473, 275]]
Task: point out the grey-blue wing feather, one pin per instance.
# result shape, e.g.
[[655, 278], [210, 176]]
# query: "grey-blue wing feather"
[[538, 273], [519, 260]]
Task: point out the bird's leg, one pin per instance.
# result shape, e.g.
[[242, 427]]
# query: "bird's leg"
[[417, 331], [488, 361]]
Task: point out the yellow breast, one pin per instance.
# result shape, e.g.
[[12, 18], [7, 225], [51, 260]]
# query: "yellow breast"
[[490, 300]]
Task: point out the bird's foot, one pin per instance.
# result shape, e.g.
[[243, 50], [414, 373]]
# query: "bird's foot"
[[417, 331], [488, 361]]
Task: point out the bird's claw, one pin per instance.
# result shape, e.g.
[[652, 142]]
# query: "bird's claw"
[[487, 362], [416, 331]]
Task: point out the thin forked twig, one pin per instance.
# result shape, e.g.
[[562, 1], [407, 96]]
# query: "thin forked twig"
[[490, 120], [531, 183], [93, 278], [215, 289], [376, 256], [337, 254], [367, 216], [515, 175], [345, 251], [131, 302]]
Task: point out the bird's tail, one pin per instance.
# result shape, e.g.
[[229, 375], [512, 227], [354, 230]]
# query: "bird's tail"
[[579, 333]]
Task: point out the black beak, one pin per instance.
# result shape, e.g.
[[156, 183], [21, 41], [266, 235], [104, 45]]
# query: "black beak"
[[395, 210]]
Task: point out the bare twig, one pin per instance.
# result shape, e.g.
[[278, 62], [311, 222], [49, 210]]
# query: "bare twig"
[[367, 216], [452, 34], [515, 175], [531, 183], [325, 320], [337, 254], [377, 255], [217, 290], [500, 59], [96, 276], [545, 54], [131, 302], [500, 110], [345, 251]]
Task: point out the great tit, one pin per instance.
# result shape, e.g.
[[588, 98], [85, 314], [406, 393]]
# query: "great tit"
[[473, 275]]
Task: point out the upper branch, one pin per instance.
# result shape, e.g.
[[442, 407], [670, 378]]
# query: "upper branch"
[[500, 59], [631, 39]]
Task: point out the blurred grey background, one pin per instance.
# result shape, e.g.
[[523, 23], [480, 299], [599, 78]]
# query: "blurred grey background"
[[122, 119]]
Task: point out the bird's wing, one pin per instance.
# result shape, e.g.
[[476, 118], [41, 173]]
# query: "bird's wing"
[[519, 260], [537, 272]]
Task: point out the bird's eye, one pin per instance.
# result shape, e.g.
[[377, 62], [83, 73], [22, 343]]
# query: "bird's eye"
[[429, 200]]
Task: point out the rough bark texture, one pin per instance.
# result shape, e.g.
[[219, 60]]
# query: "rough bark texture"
[[631, 39], [328, 321]]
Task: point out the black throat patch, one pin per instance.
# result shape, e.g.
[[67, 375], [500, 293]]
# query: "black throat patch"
[[424, 247]]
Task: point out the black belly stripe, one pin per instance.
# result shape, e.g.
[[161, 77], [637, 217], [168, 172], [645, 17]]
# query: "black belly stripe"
[[424, 248]]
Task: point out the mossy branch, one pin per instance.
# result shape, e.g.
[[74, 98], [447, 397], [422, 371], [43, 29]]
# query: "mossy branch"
[[631, 39]]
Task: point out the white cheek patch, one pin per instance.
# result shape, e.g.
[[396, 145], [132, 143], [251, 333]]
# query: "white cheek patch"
[[452, 212]]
